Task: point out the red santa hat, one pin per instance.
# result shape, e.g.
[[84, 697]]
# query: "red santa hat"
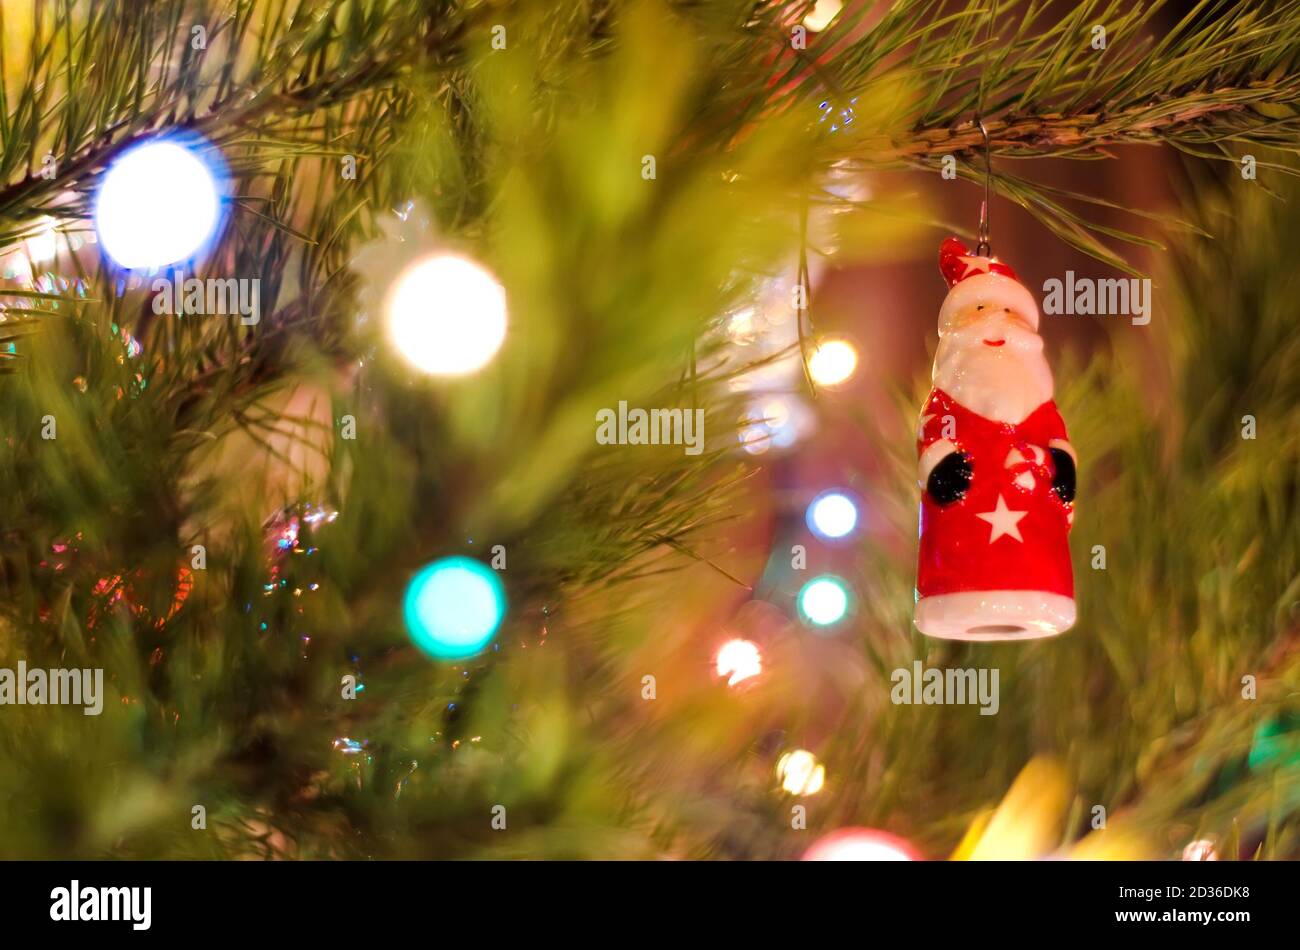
[[976, 281]]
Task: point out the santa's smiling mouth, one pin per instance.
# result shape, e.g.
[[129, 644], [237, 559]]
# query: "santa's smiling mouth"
[[994, 342]]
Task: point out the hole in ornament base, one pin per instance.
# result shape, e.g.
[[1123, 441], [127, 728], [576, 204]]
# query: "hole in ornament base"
[[997, 629]]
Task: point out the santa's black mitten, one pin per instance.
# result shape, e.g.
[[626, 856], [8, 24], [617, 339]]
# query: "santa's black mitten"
[[950, 479], [1063, 481]]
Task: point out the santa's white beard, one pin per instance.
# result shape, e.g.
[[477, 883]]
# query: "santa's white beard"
[[1005, 383]]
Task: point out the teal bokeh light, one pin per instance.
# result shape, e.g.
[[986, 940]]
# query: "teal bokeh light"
[[453, 608], [824, 601]]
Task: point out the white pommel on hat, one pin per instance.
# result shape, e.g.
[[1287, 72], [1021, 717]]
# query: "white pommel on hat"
[[977, 281]]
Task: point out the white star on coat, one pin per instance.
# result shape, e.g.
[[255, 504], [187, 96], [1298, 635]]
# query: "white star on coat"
[[1003, 520]]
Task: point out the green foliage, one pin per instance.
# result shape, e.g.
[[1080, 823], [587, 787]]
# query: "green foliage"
[[234, 703]]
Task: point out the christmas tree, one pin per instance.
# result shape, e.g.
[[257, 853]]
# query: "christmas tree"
[[471, 429]]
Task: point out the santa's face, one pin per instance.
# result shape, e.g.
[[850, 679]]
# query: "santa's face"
[[991, 360]]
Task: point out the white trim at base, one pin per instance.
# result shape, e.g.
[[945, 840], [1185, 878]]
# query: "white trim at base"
[[995, 615]]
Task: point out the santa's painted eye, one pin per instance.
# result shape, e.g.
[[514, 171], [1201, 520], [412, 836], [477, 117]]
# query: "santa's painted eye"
[[980, 307]]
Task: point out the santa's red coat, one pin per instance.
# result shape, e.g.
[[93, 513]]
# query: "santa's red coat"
[[1023, 542]]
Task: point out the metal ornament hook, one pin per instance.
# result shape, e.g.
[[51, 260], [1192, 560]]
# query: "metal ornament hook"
[[983, 249]]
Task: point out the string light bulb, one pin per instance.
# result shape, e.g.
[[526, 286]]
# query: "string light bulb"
[[822, 13], [158, 203], [800, 773], [833, 362], [824, 600], [453, 608], [861, 844], [446, 315], [738, 660], [43, 245], [832, 515]]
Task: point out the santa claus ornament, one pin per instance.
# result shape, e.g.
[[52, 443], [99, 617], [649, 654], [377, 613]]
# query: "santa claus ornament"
[[996, 468]]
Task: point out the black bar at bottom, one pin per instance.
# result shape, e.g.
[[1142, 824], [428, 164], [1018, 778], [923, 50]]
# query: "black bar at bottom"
[[807, 901]]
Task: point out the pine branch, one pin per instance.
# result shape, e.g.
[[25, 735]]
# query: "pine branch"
[[1225, 75], [31, 194], [1191, 118]]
